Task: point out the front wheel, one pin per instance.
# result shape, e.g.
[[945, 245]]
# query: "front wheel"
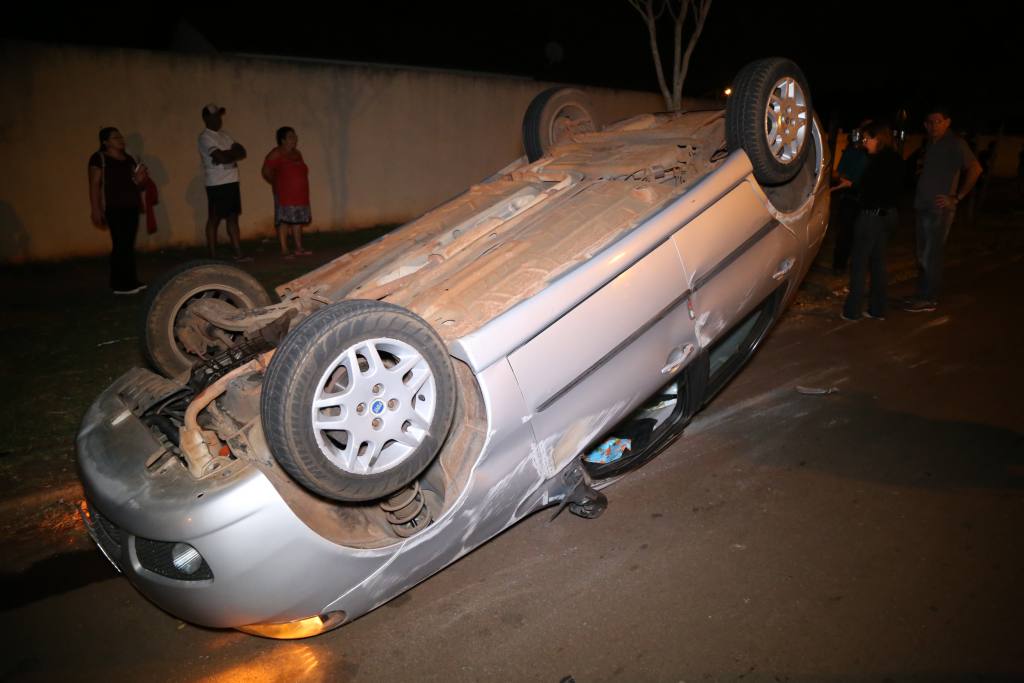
[[358, 400]]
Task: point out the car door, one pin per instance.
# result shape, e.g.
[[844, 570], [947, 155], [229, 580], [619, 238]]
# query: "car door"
[[596, 363], [735, 254]]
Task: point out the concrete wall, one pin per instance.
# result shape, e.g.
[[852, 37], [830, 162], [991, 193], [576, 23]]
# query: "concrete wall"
[[383, 144]]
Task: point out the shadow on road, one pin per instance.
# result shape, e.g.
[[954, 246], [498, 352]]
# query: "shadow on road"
[[856, 437], [52, 576]]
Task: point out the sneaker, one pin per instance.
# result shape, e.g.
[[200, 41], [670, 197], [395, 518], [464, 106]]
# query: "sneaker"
[[920, 306], [134, 290], [846, 317], [242, 259], [874, 317]]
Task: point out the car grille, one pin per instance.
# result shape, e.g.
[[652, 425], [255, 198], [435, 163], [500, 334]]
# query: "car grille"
[[144, 389], [107, 534], [156, 557]]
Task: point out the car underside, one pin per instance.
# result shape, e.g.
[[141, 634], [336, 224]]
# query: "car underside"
[[407, 401]]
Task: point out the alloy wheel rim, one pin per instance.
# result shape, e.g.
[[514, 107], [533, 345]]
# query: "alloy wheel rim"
[[786, 120], [373, 405]]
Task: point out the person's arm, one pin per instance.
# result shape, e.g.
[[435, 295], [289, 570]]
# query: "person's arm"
[[269, 170], [971, 175], [208, 147], [140, 174], [95, 188], [228, 156]]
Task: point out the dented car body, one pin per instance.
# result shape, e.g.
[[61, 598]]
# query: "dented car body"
[[620, 279]]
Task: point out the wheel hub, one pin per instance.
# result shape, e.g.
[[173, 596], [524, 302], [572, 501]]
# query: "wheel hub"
[[786, 120], [373, 405]]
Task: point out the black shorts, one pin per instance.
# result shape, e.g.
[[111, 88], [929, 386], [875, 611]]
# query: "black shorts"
[[224, 200]]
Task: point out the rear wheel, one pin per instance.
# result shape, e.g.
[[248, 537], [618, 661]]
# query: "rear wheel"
[[358, 400], [554, 117], [174, 338]]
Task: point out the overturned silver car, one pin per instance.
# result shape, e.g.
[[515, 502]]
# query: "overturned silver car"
[[296, 462]]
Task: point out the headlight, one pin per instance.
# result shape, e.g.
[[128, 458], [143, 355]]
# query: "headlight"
[[186, 559], [174, 560]]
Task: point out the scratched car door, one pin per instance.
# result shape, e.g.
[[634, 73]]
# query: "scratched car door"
[[735, 254], [591, 367]]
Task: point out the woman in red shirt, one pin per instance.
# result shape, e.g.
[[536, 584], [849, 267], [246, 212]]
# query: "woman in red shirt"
[[288, 174]]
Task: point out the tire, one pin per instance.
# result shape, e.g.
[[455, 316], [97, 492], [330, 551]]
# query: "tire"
[[770, 117], [170, 296], [391, 417], [554, 117]]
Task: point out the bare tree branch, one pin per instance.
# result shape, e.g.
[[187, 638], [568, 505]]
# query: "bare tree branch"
[[677, 52], [679, 10], [700, 11], [646, 9]]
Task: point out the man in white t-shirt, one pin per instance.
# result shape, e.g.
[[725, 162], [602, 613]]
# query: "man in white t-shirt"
[[220, 155]]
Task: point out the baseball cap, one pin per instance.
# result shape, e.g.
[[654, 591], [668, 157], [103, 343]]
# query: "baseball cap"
[[211, 109]]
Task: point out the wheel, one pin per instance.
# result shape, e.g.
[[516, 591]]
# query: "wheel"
[[173, 338], [769, 116], [358, 400], [555, 116]]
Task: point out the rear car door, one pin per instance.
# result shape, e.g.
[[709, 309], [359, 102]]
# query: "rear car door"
[[596, 363], [735, 254]]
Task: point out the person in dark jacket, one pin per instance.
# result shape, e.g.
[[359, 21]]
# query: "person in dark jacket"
[[879, 196], [851, 168], [115, 181]]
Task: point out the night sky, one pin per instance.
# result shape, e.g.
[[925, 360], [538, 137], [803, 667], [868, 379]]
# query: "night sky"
[[867, 58]]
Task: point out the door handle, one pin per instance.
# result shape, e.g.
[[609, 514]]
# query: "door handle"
[[784, 268], [676, 358]]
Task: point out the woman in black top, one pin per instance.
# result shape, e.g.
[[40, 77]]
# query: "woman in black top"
[[879, 194], [114, 186]]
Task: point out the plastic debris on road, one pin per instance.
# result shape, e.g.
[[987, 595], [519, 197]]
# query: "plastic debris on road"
[[817, 391]]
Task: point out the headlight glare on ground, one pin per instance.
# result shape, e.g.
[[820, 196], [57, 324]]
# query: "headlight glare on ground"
[[186, 559]]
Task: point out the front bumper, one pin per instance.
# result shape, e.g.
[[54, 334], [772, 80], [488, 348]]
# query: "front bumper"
[[266, 565]]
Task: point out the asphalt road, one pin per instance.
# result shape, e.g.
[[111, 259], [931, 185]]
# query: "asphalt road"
[[869, 534]]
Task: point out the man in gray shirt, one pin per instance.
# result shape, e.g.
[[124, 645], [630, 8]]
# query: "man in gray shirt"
[[939, 189]]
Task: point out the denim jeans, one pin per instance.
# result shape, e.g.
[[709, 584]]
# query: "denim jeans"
[[932, 230], [869, 237]]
